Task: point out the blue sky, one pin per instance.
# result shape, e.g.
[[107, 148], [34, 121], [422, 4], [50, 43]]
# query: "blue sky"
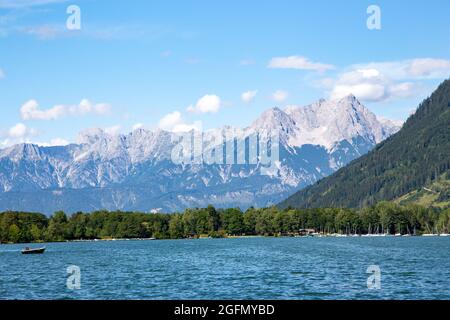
[[181, 64]]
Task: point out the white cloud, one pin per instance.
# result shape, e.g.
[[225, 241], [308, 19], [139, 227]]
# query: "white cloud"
[[369, 85], [4, 143], [412, 69], [280, 95], [2, 74], [137, 126], [435, 68], [31, 111], [174, 122], [170, 120], [18, 133], [366, 84], [209, 103], [369, 73], [364, 91], [59, 142], [248, 96], [13, 4], [299, 63], [114, 130], [56, 142], [44, 32], [404, 89], [49, 31], [185, 127]]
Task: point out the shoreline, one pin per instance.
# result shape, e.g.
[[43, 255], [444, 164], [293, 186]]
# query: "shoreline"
[[240, 237]]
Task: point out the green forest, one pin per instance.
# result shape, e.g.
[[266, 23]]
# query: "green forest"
[[385, 217], [407, 163]]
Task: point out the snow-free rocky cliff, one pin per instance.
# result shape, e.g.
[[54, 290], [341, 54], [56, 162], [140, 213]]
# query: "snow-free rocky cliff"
[[135, 171]]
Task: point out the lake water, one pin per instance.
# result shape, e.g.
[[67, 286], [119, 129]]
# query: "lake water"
[[244, 268]]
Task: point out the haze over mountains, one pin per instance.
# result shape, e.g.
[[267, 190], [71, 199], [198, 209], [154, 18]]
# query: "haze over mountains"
[[411, 166], [135, 171]]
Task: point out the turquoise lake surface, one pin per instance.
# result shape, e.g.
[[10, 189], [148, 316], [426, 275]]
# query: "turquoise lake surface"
[[241, 268]]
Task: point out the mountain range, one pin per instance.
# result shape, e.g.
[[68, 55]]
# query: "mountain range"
[[135, 171], [411, 166]]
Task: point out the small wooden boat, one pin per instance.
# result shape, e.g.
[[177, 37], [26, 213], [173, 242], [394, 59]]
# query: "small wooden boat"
[[33, 251]]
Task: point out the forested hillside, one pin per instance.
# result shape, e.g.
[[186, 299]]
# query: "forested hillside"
[[415, 157]]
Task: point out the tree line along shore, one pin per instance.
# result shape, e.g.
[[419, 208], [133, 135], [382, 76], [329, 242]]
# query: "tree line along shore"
[[383, 218]]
